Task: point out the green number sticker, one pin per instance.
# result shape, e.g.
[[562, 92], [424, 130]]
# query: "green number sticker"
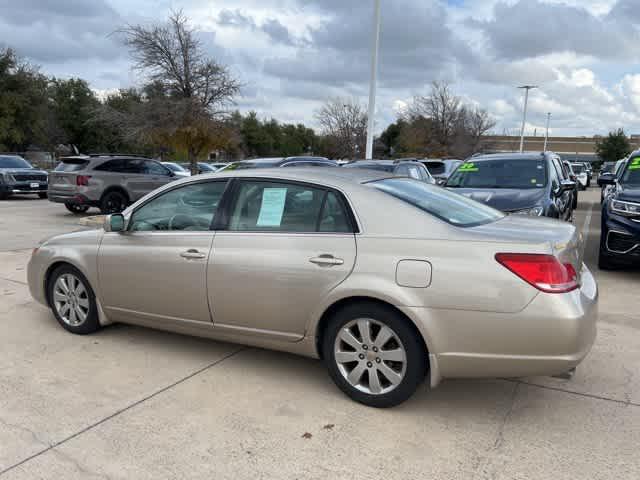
[[635, 164], [468, 167]]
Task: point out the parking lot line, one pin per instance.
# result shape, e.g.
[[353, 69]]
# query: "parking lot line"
[[123, 410]]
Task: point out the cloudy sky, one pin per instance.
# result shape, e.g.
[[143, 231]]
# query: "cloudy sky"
[[293, 54]]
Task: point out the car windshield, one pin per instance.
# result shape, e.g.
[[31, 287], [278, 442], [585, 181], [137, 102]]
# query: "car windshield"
[[174, 167], [577, 168], [608, 168], [500, 173], [631, 176], [443, 204], [205, 167], [12, 161]]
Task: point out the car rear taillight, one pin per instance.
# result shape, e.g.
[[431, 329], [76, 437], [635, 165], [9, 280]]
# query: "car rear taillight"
[[82, 180], [544, 272]]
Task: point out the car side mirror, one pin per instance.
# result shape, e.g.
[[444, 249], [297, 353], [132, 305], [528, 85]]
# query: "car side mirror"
[[114, 223], [566, 186], [606, 179]]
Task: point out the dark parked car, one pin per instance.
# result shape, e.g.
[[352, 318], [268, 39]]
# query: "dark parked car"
[[620, 232], [400, 168], [18, 177], [281, 162], [441, 170], [517, 183]]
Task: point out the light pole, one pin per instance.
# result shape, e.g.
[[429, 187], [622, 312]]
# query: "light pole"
[[524, 113], [546, 135], [374, 79]]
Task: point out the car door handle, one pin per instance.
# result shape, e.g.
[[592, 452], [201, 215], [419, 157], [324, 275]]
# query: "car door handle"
[[193, 254], [326, 260]]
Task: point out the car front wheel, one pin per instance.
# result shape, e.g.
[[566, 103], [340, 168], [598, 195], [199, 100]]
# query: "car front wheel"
[[72, 301], [374, 355]]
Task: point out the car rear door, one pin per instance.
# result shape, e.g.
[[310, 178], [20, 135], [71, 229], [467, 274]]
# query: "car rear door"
[[285, 247]]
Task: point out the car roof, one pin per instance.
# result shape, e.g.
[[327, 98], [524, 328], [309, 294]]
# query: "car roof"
[[337, 177], [509, 156]]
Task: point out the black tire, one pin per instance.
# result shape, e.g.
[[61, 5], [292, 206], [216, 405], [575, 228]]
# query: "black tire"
[[4, 195], [43, 195], [574, 204], [77, 209], [88, 325], [416, 356], [113, 201]]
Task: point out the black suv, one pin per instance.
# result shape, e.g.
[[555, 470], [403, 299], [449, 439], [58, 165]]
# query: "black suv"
[[620, 232], [517, 183], [18, 177]]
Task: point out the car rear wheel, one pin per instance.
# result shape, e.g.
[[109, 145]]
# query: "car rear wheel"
[[113, 202], [76, 208], [43, 195], [374, 355], [574, 203], [72, 301]]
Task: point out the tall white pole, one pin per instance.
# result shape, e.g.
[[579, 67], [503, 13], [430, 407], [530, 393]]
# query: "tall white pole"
[[524, 113], [546, 135], [374, 80]]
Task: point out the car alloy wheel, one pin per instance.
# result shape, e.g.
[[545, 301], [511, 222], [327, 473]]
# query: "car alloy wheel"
[[370, 356], [71, 300], [113, 202]]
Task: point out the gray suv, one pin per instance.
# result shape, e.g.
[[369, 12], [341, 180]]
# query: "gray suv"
[[108, 182]]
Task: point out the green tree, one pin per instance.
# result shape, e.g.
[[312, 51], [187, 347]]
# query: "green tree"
[[614, 146], [24, 119], [73, 103]]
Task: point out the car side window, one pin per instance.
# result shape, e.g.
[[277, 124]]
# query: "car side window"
[[188, 208], [154, 168], [414, 172], [116, 166], [402, 170], [333, 218], [263, 206], [555, 174]]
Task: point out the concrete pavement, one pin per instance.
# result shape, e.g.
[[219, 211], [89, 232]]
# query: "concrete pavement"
[[135, 403]]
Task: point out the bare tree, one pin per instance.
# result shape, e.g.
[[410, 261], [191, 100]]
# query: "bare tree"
[[344, 122], [450, 127], [191, 90]]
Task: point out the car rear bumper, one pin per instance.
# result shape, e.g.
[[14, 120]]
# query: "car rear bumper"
[[550, 336], [71, 199]]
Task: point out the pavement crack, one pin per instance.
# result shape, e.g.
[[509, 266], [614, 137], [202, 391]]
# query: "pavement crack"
[[33, 434], [13, 281], [500, 435], [86, 473], [123, 410]]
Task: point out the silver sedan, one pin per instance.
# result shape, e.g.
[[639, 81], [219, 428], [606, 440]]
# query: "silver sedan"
[[388, 280]]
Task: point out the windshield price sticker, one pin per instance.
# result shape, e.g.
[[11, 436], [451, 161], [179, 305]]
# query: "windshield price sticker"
[[635, 164], [468, 167]]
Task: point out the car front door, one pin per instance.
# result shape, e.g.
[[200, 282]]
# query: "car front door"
[[156, 269], [285, 247], [563, 200]]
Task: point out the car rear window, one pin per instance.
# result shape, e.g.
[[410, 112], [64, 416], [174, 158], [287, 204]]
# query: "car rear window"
[[71, 165], [435, 168], [443, 204], [577, 168], [514, 173]]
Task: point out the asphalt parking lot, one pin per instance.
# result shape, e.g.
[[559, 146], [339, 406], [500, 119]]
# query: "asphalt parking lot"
[[132, 403]]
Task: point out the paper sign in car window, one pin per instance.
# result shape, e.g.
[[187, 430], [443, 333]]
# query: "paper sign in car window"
[[272, 208], [635, 164], [468, 167]]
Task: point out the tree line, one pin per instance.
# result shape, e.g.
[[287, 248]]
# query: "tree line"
[[183, 108]]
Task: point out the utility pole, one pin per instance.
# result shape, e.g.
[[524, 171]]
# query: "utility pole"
[[546, 135], [374, 80], [526, 89]]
